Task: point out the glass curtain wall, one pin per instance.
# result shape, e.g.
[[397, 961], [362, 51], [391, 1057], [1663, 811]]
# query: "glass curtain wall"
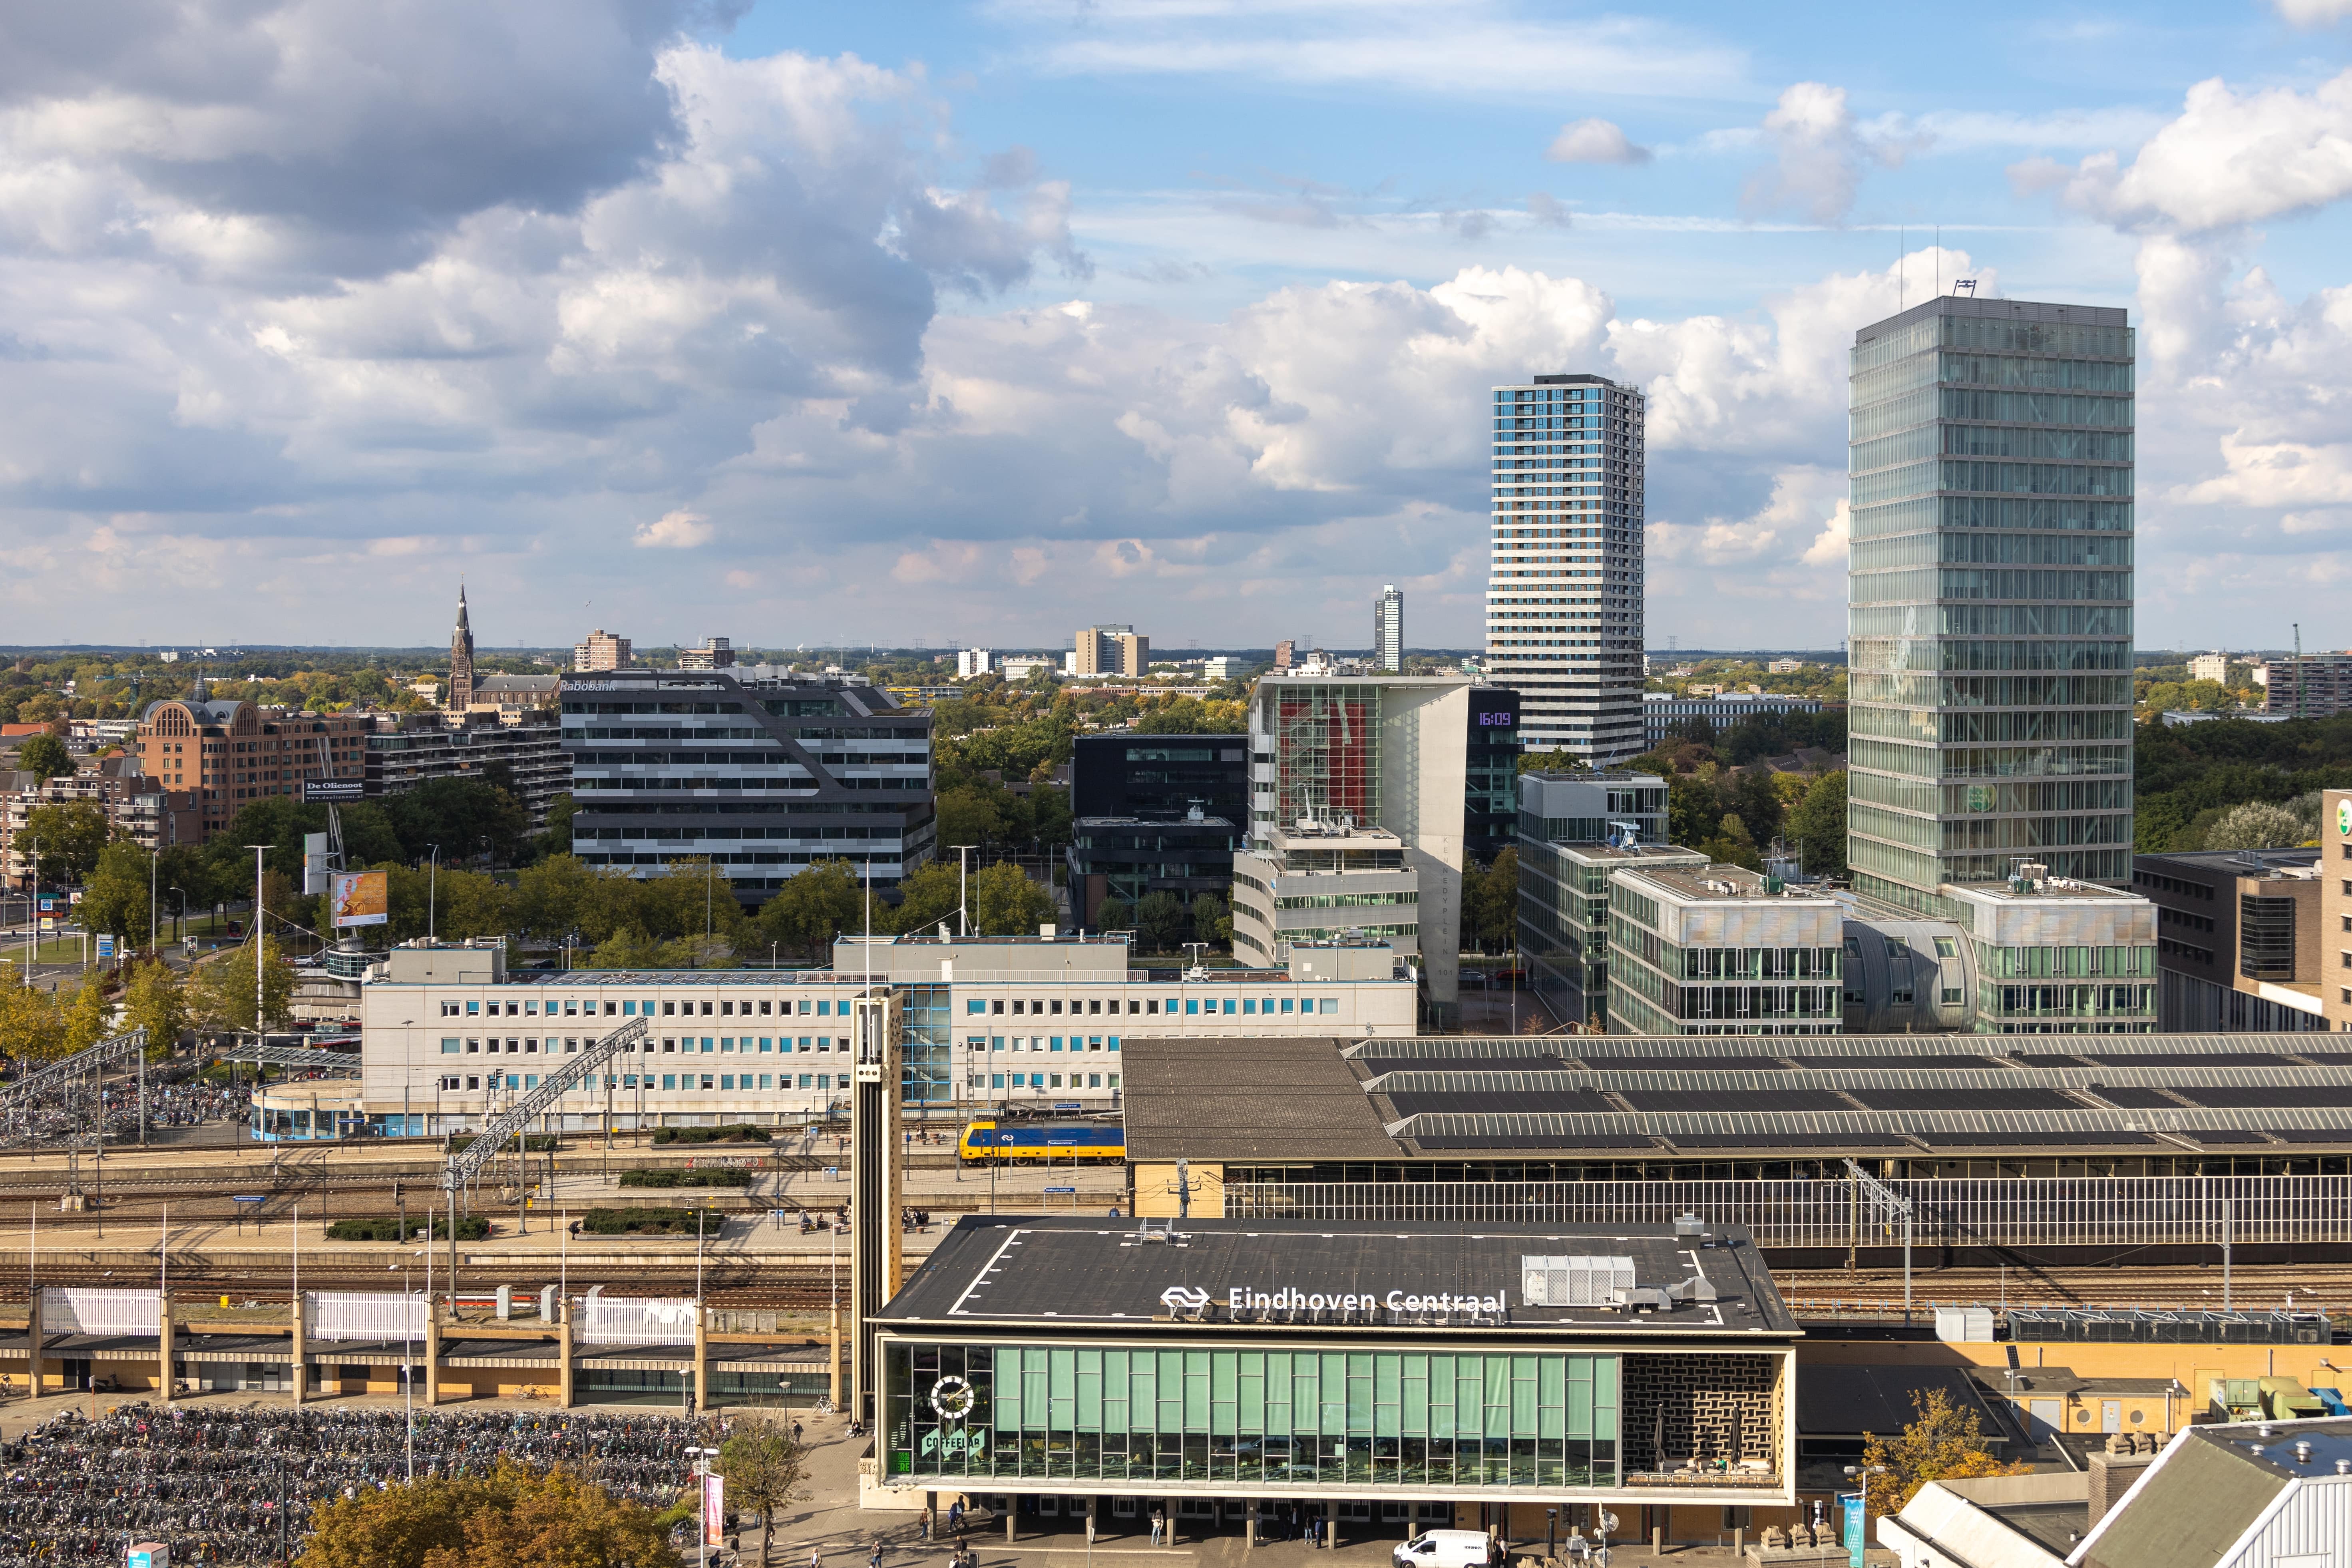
[[1287, 1417], [1990, 451]]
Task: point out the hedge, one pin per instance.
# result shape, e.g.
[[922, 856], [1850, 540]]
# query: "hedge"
[[742, 1134], [651, 1222], [723, 1176], [472, 1227]]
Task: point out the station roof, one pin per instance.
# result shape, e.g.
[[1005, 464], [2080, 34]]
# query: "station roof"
[[1324, 1101], [1024, 1272]]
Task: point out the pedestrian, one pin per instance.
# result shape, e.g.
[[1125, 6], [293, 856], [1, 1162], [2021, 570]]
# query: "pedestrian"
[[816, 1557], [796, 1430], [1159, 1524], [923, 1526], [873, 1558]]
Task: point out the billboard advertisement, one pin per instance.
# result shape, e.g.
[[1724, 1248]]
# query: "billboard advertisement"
[[361, 897], [333, 791]]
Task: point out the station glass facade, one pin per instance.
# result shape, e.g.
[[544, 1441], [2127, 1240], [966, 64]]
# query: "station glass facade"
[[1410, 1420]]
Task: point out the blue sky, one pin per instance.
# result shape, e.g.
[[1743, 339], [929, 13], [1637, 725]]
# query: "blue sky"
[[924, 322]]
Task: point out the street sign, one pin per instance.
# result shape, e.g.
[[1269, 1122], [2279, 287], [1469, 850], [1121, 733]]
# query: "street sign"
[[1051, 1190], [105, 946]]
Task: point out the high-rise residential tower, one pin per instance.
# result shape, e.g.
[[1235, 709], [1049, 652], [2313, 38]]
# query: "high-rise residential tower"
[[1564, 590], [1990, 586], [1388, 629]]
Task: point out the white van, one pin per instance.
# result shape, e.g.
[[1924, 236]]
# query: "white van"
[[1442, 1548]]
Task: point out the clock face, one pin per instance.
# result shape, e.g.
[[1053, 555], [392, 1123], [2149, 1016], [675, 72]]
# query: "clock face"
[[953, 1397]]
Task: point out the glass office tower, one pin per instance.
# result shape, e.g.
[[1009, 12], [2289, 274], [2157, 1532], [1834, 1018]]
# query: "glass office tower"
[[1564, 589], [1990, 586]]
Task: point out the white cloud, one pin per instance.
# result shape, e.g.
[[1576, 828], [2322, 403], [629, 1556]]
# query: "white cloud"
[[1478, 47], [1819, 153], [1594, 141], [2227, 158], [679, 530], [2314, 13]]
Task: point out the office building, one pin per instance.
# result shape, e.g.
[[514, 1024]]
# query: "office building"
[[526, 757], [229, 753], [600, 650], [2309, 686], [1121, 773], [1018, 666], [2336, 907], [1111, 650], [1130, 857], [1721, 950], [450, 1033], [716, 653], [1785, 667], [1572, 831], [762, 777], [1223, 667], [1564, 598], [1315, 883], [1992, 596], [1388, 629], [971, 662], [1335, 753], [2055, 955], [2213, 667], [2239, 945], [1664, 717], [1379, 1377]]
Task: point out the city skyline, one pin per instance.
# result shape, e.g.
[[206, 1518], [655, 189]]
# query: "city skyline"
[[816, 317]]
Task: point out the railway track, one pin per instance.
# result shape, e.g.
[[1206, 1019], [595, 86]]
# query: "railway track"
[[2256, 1286]]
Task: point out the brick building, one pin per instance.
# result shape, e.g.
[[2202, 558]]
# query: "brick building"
[[227, 752], [136, 806]]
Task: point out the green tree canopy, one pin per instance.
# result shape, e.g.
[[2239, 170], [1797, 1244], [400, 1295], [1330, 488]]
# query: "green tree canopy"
[[812, 908], [1161, 921], [68, 835], [511, 1516], [1006, 902], [222, 994], [1817, 826], [114, 899], [766, 1472], [44, 756]]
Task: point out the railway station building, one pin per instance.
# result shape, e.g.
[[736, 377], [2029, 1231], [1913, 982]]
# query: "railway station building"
[[1398, 1375]]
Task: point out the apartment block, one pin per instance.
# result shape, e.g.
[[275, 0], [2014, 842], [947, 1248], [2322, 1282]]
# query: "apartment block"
[[972, 661], [599, 649], [227, 752], [2213, 667], [136, 807], [1388, 629], [1664, 716], [525, 757], [1565, 587], [1112, 650], [2309, 686], [716, 653]]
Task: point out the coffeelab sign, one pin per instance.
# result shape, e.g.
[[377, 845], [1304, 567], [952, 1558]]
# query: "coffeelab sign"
[[1243, 1299]]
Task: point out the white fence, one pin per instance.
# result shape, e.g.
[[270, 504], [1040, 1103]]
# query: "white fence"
[[69, 1309], [363, 1315], [638, 1321], [2019, 1211]]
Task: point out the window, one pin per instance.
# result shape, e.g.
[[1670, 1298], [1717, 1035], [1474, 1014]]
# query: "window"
[[473, 1047], [1191, 1005], [1057, 1006], [725, 1009], [975, 1005], [767, 1080], [1951, 995], [1947, 948], [448, 1083], [1329, 1004], [706, 1009], [473, 1008], [1094, 1004], [764, 1006], [1151, 1004], [669, 1081], [669, 1009], [449, 1048], [451, 1009], [727, 1080], [1229, 1005]]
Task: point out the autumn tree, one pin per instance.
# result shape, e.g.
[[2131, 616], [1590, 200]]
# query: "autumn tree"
[[69, 836], [1943, 1443], [511, 1516], [157, 1002], [766, 1470], [1006, 901], [224, 991], [89, 1016], [32, 1021], [812, 907]]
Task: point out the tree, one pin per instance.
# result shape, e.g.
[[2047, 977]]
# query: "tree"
[[1943, 1442], [765, 1471], [1114, 914], [156, 1001], [1212, 919], [812, 908], [1160, 921], [1006, 902], [468, 819], [115, 897], [225, 999], [1490, 903], [511, 1515], [549, 898], [928, 895], [2257, 825], [970, 814], [1817, 826], [89, 1016], [70, 835], [45, 757], [32, 1022]]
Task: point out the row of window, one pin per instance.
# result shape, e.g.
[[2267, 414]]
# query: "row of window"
[[456, 1046], [725, 1082], [573, 1008], [1041, 1080], [1154, 1007], [1041, 1042]]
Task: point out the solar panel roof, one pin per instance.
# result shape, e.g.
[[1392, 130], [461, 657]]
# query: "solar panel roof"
[[1964, 1099], [1791, 1141], [1629, 1063], [1569, 1146], [2186, 1059], [2134, 1099], [1734, 1100], [2225, 1097], [2220, 1135], [2032, 1139], [1948, 1059], [1574, 1099]]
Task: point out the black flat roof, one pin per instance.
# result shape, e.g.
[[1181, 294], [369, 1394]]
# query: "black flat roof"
[[1003, 1272]]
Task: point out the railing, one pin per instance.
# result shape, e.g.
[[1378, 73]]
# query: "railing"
[[2021, 1211]]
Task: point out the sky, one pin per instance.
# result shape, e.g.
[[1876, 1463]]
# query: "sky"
[[929, 323]]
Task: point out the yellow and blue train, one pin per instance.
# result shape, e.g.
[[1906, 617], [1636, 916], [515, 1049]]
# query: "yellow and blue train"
[[1041, 1141]]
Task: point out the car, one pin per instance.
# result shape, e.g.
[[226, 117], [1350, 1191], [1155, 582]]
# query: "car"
[[1442, 1548], [1473, 977]]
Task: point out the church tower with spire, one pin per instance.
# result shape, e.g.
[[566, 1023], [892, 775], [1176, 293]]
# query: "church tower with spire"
[[461, 660]]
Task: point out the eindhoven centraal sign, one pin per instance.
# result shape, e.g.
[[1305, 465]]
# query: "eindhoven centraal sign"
[[1246, 1299]]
